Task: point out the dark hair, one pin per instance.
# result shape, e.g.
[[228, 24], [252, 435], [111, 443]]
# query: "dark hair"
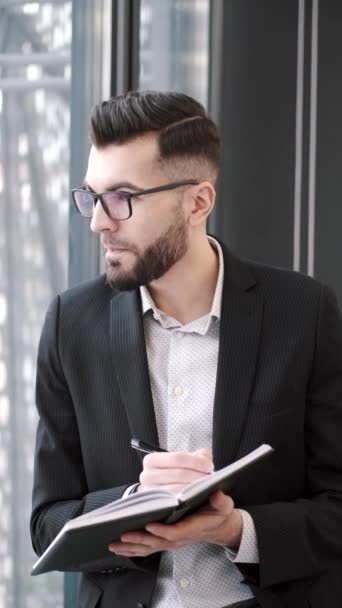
[[185, 131]]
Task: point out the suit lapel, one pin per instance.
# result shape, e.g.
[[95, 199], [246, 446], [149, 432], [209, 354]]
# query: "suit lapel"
[[131, 366], [241, 316]]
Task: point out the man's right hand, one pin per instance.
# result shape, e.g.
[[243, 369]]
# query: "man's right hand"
[[173, 471]]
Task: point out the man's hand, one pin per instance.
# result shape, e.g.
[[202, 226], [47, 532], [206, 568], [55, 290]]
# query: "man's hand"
[[173, 471], [217, 523]]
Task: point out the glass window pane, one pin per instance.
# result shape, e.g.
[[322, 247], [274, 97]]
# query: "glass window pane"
[[34, 202], [174, 46]]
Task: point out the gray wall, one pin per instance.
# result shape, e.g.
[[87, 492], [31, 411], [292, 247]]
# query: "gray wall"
[[277, 96], [328, 238]]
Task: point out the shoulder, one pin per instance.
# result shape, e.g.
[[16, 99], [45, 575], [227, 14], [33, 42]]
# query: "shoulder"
[[270, 280], [284, 292], [97, 287], [284, 281], [82, 304], [293, 295]]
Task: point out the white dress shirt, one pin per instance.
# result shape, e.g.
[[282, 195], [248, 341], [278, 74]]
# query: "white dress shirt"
[[182, 361]]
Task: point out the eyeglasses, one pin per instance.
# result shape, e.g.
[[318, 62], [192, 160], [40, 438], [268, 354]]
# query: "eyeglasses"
[[117, 203]]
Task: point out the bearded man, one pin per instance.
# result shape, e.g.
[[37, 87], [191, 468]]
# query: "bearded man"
[[185, 346]]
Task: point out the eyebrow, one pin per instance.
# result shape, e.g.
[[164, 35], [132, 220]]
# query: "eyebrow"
[[117, 186]]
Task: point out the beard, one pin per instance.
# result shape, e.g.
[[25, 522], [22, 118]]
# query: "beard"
[[154, 261]]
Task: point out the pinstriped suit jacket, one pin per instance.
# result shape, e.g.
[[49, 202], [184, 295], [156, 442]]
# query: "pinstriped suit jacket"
[[279, 380]]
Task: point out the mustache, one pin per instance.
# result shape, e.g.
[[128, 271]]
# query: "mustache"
[[108, 242]]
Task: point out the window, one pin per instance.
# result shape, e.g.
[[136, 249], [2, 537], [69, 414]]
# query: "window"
[[174, 46], [35, 66]]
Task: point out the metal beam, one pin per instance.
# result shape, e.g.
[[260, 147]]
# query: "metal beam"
[[19, 84], [24, 29], [10, 259], [215, 79], [125, 58], [10, 59], [9, 3], [49, 239], [86, 85]]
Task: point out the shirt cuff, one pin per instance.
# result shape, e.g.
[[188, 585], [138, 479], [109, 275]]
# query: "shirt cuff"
[[247, 552], [130, 490]]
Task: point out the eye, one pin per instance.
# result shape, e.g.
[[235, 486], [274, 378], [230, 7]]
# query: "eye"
[[117, 204], [115, 197]]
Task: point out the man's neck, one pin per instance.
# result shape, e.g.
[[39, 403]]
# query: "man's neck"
[[186, 291]]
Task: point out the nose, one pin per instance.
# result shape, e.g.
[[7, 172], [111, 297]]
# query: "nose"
[[100, 220]]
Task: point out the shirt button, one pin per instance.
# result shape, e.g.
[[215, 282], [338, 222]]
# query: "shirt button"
[[184, 583], [140, 605], [178, 391]]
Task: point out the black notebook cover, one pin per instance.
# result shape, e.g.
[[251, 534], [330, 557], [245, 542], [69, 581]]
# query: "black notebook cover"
[[83, 541]]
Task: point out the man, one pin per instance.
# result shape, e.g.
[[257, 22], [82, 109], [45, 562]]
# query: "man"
[[183, 344]]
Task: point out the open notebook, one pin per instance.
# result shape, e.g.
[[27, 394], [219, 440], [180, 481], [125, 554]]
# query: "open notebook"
[[84, 540]]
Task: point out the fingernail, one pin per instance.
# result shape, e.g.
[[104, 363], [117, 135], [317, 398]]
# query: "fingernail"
[[151, 528]]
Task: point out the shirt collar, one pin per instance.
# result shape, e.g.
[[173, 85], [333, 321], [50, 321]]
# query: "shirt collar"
[[148, 304]]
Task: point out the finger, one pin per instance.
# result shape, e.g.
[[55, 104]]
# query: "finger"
[[131, 545], [191, 528], [174, 488], [131, 550], [221, 503], [149, 540], [204, 452], [179, 460], [140, 551], [140, 538], [154, 545], [160, 477]]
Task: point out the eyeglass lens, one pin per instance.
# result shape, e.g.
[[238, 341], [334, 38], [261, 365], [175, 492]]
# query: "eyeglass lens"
[[116, 204]]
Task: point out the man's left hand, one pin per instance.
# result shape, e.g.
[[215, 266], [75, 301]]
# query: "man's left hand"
[[218, 523]]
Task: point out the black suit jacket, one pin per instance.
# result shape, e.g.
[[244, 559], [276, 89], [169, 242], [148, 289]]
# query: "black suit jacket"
[[279, 381]]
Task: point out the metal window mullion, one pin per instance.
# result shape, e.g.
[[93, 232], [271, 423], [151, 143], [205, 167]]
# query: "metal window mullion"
[[313, 137], [299, 136], [216, 44], [125, 51], [86, 90], [91, 71]]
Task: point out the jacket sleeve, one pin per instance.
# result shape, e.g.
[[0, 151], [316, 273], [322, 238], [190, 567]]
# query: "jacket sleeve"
[[302, 538], [60, 490]]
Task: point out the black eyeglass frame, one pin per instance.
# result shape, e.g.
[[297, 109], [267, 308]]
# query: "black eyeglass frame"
[[98, 196]]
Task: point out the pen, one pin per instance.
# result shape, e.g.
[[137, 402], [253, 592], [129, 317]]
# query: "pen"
[[146, 448]]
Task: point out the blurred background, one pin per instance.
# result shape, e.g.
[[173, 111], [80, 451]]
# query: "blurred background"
[[269, 73]]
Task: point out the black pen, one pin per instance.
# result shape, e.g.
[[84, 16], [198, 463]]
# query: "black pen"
[[146, 448]]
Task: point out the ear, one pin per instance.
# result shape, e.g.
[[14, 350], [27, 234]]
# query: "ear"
[[202, 203]]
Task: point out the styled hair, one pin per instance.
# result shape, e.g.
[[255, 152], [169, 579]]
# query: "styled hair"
[[185, 132]]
